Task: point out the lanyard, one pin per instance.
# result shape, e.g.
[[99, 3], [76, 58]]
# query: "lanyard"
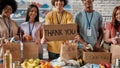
[[30, 30], [89, 22], [7, 25], [60, 18]]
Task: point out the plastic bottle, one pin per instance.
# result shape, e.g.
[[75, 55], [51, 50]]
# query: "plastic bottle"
[[8, 59], [117, 34]]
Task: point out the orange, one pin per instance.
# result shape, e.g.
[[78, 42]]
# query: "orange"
[[28, 38], [57, 67]]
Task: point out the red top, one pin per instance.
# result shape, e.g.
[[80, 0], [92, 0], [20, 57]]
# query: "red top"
[[109, 26]]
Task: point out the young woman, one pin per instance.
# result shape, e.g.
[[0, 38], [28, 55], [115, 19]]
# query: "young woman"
[[8, 27], [31, 27], [112, 29]]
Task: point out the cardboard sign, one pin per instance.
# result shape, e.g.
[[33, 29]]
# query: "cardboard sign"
[[115, 49], [96, 57], [14, 49], [60, 32], [30, 50]]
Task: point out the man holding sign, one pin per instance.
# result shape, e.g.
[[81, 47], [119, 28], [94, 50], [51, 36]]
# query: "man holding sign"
[[57, 16]]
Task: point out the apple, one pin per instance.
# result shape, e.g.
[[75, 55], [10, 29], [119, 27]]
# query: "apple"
[[107, 65]]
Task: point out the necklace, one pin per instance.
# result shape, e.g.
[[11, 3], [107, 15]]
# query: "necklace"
[[7, 25], [59, 21]]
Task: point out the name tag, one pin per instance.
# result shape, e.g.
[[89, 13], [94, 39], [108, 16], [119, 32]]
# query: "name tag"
[[89, 32]]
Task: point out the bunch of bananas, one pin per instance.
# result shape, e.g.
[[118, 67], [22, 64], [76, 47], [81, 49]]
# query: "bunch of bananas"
[[37, 63], [31, 63]]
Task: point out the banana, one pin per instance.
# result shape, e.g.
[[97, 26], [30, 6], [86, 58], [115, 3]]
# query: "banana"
[[24, 64], [80, 61], [31, 65]]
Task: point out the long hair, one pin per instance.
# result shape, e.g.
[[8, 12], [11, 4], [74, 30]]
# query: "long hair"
[[28, 10], [114, 20], [4, 3]]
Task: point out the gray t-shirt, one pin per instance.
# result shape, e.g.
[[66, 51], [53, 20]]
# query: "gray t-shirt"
[[87, 20]]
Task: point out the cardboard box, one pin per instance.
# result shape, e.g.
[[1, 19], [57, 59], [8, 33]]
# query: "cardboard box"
[[115, 49], [96, 57], [60, 32]]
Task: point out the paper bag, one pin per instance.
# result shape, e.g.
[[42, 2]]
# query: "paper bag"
[[68, 51], [14, 49], [30, 50], [115, 49]]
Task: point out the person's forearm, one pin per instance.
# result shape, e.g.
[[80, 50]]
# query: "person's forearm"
[[108, 40], [100, 37], [82, 41]]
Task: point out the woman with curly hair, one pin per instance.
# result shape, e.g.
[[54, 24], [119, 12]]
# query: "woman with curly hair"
[[8, 27]]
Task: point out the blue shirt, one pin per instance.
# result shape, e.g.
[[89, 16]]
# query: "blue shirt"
[[95, 24]]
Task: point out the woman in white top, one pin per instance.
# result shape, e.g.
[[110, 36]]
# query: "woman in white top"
[[31, 27]]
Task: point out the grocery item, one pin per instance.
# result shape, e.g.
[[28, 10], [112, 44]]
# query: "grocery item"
[[8, 59]]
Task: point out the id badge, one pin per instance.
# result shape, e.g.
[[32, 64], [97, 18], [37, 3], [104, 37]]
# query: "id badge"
[[89, 32]]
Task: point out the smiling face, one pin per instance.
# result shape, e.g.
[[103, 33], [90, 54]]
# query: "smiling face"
[[33, 13], [7, 11], [118, 15], [87, 3], [59, 4]]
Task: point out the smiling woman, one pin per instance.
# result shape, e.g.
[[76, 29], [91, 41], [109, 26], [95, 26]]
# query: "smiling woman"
[[8, 27], [32, 26]]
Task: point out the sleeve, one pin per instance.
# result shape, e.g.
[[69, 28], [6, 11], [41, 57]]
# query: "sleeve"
[[48, 18], [39, 31], [101, 21], [108, 26], [70, 19], [76, 18], [22, 26], [77, 22]]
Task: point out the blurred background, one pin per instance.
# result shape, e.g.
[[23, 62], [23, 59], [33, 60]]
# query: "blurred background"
[[105, 7]]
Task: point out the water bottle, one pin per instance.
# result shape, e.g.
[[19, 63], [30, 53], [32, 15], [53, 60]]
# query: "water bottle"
[[7, 59]]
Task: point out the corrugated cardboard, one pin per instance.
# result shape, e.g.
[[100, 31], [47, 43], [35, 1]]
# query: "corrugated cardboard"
[[60, 32], [14, 49], [115, 50], [30, 50], [96, 57]]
